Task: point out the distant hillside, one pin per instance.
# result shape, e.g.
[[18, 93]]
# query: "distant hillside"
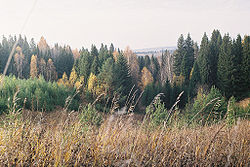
[[153, 51]]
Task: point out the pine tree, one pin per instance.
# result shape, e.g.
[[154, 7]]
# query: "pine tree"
[[225, 66], [133, 64], [106, 76], [203, 60], [246, 64], [155, 68], [194, 80], [178, 56], [122, 77], [84, 65], [215, 44], [237, 80], [111, 49], [95, 66], [188, 58], [33, 67]]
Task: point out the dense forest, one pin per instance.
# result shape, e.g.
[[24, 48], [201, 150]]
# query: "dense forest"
[[121, 75], [110, 107]]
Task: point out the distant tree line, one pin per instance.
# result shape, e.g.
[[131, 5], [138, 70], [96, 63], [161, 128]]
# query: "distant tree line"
[[117, 75]]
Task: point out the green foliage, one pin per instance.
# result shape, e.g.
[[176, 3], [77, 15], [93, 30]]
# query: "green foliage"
[[35, 94], [208, 107], [194, 81], [203, 60], [225, 66], [234, 111], [157, 113], [90, 116], [122, 78], [188, 58], [178, 55], [150, 91]]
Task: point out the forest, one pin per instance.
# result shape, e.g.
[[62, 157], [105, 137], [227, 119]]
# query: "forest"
[[101, 106]]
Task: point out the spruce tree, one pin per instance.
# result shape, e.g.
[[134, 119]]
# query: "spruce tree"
[[106, 76], [237, 79], [225, 66], [246, 65], [178, 55], [122, 77], [203, 60], [215, 44], [95, 66], [194, 80], [188, 58]]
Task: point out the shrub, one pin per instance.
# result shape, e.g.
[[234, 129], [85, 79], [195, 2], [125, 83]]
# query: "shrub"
[[35, 94], [90, 116], [234, 111], [157, 113], [208, 108]]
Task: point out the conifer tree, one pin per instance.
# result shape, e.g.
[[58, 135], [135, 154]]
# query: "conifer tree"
[[178, 56], [188, 58], [122, 77], [84, 65], [225, 66], [215, 44], [237, 80], [106, 76], [95, 66], [246, 64], [194, 80], [203, 60]]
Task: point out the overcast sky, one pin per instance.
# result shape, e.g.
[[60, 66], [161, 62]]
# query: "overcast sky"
[[137, 23]]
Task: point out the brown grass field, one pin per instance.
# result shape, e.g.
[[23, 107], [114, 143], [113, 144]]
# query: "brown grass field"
[[59, 139]]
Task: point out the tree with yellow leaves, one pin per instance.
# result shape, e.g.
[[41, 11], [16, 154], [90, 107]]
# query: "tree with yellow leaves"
[[146, 77], [92, 83], [33, 66], [64, 80], [79, 83], [72, 77]]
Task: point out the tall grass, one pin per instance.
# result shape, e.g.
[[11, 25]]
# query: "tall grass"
[[62, 140]]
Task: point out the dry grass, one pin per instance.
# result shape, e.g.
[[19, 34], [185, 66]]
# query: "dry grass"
[[244, 103], [119, 141]]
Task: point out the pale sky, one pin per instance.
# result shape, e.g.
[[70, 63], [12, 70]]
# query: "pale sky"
[[137, 23]]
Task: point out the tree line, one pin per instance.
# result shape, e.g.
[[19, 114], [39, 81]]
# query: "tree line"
[[112, 73]]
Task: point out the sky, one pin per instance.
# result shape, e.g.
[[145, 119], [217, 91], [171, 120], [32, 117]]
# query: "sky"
[[135, 23]]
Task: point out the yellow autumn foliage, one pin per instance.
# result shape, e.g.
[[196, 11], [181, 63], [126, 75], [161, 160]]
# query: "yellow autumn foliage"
[[146, 77], [92, 83]]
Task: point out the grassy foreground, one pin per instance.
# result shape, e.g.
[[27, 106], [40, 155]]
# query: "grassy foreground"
[[60, 139]]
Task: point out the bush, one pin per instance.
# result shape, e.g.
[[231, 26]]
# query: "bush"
[[157, 113], [90, 116], [35, 94], [234, 111], [208, 108]]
